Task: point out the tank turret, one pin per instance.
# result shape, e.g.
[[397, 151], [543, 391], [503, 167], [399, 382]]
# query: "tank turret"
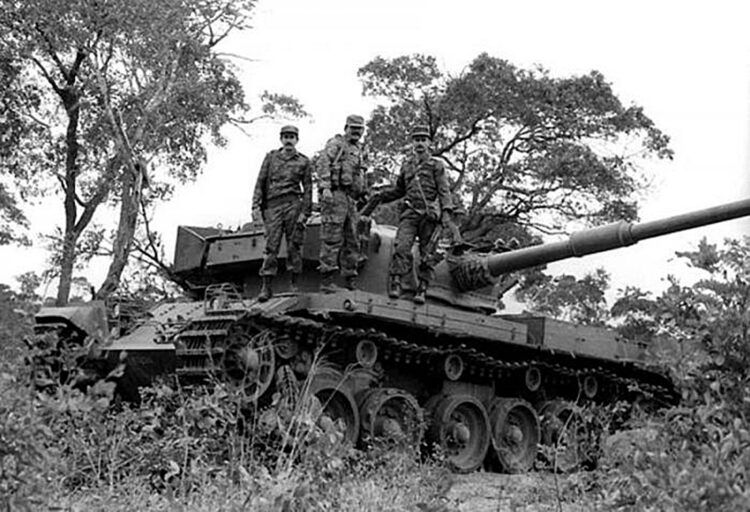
[[469, 279]]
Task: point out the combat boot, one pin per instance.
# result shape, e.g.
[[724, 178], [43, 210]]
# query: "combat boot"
[[419, 295], [326, 282], [293, 277], [394, 286], [351, 283], [265, 289]]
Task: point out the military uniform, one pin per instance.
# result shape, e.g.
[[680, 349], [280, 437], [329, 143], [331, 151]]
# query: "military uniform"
[[340, 169], [423, 185], [283, 192]]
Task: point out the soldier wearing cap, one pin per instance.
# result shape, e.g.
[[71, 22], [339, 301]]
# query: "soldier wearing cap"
[[423, 185], [283, 202], [340, 173]]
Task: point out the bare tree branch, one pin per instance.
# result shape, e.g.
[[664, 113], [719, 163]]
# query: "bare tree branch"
[[32, 117], [52, 52], [236, 56], [473, 130], [47, 76]]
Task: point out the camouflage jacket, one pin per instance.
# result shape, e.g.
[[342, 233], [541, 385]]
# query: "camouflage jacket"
[[340, 166], [423, 184], [281, 175]]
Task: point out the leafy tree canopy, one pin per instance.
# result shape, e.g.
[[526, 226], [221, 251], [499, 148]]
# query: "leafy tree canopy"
[[523, 147], [565, 297], [108, 98], [714, 312]]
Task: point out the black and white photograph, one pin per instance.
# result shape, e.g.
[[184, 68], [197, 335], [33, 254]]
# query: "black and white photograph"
[[328, 255]]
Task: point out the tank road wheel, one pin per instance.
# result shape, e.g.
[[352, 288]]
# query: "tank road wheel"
[[336, 401], [392, 415], [589, 386], [461, 428], [286, 348], [515, 433], [366, 353], [453, 367], [249, 362], [532, 378], [565, 434]]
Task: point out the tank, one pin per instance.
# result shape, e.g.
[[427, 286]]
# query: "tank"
[[484, 386]]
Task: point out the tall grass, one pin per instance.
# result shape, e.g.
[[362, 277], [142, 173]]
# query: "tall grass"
[[198, 449]]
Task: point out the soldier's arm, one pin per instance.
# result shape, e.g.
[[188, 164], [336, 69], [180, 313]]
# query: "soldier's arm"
[[325, 160], [443, 189], [259, 196], [307, 188], [396, 191]]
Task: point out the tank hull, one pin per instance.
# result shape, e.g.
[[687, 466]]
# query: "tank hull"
[[473, 380]]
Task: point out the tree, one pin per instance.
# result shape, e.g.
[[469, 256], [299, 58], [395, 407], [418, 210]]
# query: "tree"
[[713, 314], [565, 297], [523, 148], [132, 92], [15, 129]]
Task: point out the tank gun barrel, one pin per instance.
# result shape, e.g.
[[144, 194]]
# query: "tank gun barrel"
[[612, 236]]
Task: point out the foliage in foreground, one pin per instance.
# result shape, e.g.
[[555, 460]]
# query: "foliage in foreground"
[[695, 456], [195, 451]]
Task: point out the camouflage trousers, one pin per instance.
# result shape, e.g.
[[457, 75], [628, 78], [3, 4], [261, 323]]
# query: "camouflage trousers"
[[339, 245], [280, 219], [411, 225]]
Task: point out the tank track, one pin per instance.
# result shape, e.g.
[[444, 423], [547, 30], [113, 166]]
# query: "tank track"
[[204, 341]]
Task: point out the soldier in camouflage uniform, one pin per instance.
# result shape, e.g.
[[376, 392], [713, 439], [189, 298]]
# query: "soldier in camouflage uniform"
[[283, 200], [340, 184], [423, 184]]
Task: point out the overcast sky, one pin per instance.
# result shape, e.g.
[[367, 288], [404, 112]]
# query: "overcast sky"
[[686, 63]]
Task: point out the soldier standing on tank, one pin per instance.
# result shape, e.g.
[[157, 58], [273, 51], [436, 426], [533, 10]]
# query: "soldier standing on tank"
[[283, 201], [340, 184], [423, 184]]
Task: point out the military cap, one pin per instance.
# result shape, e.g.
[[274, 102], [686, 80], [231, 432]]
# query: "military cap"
[[355, 120], [420, 130], [289, 129]]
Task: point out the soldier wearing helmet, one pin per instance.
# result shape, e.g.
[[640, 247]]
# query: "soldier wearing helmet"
[[340, 173], [423, 185], [283, 202]]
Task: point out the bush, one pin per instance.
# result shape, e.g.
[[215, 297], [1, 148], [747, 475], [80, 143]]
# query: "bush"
[[697, 455], [200, 449]]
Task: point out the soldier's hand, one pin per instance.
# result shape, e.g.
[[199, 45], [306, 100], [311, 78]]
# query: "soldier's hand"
[[375, 197], [257, 215], [326, 194], [302, 218], [371, 204]]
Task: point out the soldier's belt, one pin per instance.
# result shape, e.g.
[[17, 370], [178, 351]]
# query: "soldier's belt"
[[283, 198]]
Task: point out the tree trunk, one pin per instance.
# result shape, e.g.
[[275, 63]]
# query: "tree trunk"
[[130, 200], [66, 268], [70, 99]]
